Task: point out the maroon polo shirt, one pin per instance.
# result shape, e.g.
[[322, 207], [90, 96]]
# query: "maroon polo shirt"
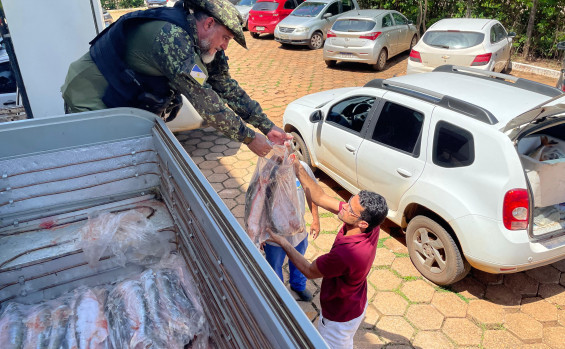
[[345, 269]]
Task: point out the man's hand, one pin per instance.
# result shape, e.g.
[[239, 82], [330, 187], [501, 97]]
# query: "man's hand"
[[315, 229], [260, 145], [277, 239], [278, 136]]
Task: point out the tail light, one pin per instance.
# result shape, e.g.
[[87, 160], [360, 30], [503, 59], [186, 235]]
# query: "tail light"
[[515, 209], [482, 59], [330, 34], [415, 56], [371, 36]]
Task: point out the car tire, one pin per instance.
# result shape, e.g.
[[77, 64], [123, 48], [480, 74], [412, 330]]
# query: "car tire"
[[508, 67], [330, 63], [254, 35], [301, 149], [316, 41], [381, 61], [413, 42], [434, 252]]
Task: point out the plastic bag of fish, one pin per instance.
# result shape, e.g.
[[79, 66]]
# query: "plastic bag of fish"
[[272, 200], [156, 310]]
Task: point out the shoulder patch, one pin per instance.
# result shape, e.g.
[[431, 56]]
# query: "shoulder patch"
[[198, 74]]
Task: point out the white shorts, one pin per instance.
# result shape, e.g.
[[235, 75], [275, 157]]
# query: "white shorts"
[[339, 335]]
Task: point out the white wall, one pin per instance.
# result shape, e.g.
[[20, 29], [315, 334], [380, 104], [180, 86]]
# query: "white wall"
[[48, 35]]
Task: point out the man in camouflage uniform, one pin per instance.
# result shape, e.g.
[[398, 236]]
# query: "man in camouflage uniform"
[[187, 53]]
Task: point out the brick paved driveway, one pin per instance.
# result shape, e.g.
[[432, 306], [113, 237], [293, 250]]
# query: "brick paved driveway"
[[523, 310]]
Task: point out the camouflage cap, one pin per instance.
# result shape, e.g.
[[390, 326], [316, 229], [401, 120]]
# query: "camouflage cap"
[[224, 12]]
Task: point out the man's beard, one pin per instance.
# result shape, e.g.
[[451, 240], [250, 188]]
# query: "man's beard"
[[206, 56]]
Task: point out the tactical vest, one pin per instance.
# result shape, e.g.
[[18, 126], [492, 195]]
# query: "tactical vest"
[[127, 88]]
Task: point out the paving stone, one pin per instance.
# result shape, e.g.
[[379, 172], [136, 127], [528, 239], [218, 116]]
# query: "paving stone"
[[330, 224], [561, 316], [246, 155], [219, 148], [462, 331], [240, 199], [533, 346], [221, 169], [198, 160], [228, 160], [404, 267], [553, 293], [431, 340], [424, 317], [241, 164], [449, 304], [308, 309], [486, 312], [487, 278], [371, 292], [384, 279], [418, 291], [562, 279], [212, 156], [395, 245], [367, 339], [239, 173], [217, 177], [238, 211], [311, 253], [560, 265], [389, 303], [499, 339], [232, 183], [324, 242], [229, 193], [218, 186], [371, 317], [503, 295], [554, 337], [395, 329], [469, 288], [384, 257], [522, 284], [539, 309], [230, 203], [524, 327], [205, 145], [208, 164]]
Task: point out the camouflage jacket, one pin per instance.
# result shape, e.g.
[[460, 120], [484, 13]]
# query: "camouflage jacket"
[[208, 87]]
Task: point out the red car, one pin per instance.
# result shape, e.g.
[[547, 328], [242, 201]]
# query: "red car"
[[266, 14]]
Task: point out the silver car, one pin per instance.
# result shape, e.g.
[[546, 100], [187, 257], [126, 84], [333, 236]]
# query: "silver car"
[[309, 22], [243, 6], [369, 36]]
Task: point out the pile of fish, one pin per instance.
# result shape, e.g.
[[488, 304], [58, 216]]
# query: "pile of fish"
[[155, 310], [272, 200]]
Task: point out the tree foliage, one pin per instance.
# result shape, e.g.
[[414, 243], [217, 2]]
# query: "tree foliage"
[[549, 25]]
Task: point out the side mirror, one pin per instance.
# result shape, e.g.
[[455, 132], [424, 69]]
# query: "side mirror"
[[327, 15], [511, 34], [316, 116]]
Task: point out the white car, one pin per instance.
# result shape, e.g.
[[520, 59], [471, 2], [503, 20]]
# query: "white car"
[[454, 154], [369, 36], [243, 6], [473, 42]]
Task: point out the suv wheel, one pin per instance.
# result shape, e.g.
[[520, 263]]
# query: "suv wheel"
[[300, 148], [316, 41], [434, 252], [254, 35], [381, 61]]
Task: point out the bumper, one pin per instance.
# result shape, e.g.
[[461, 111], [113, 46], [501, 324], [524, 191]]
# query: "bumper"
[[490, 247], [367, 55], [415, 67], [300, 38]]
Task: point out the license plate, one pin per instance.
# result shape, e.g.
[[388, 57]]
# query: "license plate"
[[260, 28], [346, 54]]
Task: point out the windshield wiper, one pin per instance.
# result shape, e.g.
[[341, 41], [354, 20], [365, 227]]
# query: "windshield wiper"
[[441, 46]]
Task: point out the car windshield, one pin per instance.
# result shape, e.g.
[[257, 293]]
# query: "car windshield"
[[247, 2], [265, 6], [353, 25], [453, 39], [308, 9]]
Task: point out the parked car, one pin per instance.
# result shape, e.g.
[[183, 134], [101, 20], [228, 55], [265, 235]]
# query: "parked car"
[[107, 17], [369, 36], [244, 6], [454, 163], [155, 3], [310, 21], [266, 14], [480, 43], [8, 87]]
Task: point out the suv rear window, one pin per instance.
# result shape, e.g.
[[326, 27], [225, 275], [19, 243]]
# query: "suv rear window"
[[265, 6], [453, 146], [453, 39], [353, 25]]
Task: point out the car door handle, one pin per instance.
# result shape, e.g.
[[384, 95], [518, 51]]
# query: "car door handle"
[[350, 148], [404, 173]]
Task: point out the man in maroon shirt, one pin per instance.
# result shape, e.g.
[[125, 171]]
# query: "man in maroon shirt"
[[345, 268]]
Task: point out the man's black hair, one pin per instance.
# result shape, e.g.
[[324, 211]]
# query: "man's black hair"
[[375, 208], [200, 15]]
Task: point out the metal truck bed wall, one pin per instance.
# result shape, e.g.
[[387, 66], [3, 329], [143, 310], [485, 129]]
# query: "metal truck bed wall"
[[54, 172]]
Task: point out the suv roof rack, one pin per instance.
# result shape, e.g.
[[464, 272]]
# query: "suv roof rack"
[[469, 109], [523, 84]]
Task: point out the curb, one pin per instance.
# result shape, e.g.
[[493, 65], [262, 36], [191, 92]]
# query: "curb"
[[536, 70]]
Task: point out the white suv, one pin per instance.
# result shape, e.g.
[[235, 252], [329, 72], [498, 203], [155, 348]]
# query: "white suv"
[[456, 154]]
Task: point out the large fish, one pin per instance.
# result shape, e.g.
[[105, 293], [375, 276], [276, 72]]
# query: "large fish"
[[12, 328], [38, 327], [91, 328], [60, 315], [158, 313]]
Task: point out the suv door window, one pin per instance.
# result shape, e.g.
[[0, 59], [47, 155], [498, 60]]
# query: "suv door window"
[[351, 113], [453, 146], [399, 19], [399, 127], [333, 9], [499, 32], [387, 21]]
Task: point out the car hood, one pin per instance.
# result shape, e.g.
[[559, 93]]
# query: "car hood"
[[295, 21], [243, 9], [554, 109], [319, 99]]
